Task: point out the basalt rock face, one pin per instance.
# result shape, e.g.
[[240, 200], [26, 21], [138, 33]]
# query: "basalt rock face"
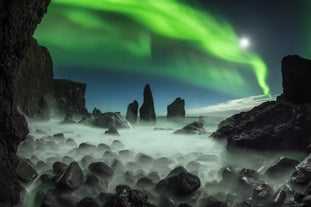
[[176, 110], [132, 111], [69, 96], [18, 20], [281, 124], [296, 73], [146, 111], [34, 82]]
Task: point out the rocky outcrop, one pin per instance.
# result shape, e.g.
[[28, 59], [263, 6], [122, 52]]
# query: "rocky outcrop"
[[146, 111], [35, 72], [18, 20], [281, 124], [192, 128], [132, 111], [176, 110], [296, 73], [110, 119], [69, 96]]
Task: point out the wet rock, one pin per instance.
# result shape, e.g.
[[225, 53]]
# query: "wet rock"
[[86, 148], [146, 111], [144, 182], [117, 166], [103, 147], [132, 111], [211, 201], [179, 185], [193, 165], [46, 178], [282, 167], [59, 135], [25, 172], [112, 131], [129, 177], [87, 160], [110, 119], [126, 153], [193, 128], [229, 173], [279, 198], [88, 202], [72, 177], [69, 96], [154, 176], [184, 205], [59, 167], [59, 198], [144, 158], [165, 201], [176, 110], [176, 171], [302, 174], [117, 144], [163, 161], [101, 169], [70, 142], [42, 166], [262, 193], [68, 160], [68, 119]]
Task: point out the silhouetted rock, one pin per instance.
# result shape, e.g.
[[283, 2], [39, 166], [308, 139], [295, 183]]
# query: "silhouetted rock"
[[282, 167], [110, 119], [176, 110], [296, 75], [302, 175], [25, 172], [68, 119], [69, 96], [72, 178], [132, 111], [271, 125], [146, 111], [193, 128], [88, 202], [96, 112], [18, 20], [112, 131]]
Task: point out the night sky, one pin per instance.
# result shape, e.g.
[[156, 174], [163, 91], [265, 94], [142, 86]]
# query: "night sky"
[[189, 49]]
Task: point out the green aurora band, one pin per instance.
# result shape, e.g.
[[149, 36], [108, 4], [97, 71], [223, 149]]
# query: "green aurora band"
[[170, 19]]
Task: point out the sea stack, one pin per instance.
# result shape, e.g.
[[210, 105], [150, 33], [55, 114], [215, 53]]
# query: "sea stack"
[[146, 111], [132, 111], [176, 110]]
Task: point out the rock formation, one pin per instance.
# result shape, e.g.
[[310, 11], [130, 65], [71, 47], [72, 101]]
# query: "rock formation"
[[18, 20], [69, 96], [132, 111], [146, 111], [296, 73], [276, 124], [110, 119], [192, 128], [176, 110], [34, 82]]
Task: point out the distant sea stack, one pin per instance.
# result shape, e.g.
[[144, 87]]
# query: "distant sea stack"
[[69, 96], [146, 111], [132, 111], [176, 110]]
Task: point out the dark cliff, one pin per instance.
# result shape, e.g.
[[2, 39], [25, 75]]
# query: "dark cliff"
[[69, 96], [18, 20]]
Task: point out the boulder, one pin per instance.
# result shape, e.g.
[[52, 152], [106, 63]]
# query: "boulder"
[[176, 110], [146, 111], [111, 119], [101, 169], [296, 73], [272, 125], [281, 167], [25, 172], [58, 168], [132, 111], [69, 96], [302, 174], [181, 184], [112, 131], [192, 128], [72, 178], [88, 202]]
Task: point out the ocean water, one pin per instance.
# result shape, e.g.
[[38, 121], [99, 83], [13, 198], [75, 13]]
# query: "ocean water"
[[199, 154]]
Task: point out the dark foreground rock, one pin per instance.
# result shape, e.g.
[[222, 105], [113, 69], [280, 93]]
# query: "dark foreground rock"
[[193, 128], [25, 172], [112, 131], [69, 96], [282, 167], [146, 111], [176, 110], [132, 111], [72, 178], [272, 125]]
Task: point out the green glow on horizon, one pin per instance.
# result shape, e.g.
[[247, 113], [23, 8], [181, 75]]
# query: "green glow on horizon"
[[167, 18]]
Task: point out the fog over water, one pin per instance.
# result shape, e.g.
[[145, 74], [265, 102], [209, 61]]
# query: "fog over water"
[[199, 154]]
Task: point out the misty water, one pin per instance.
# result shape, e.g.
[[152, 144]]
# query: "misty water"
[[199, 154]]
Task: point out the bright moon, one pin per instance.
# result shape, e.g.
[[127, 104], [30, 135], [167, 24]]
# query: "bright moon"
[[244, 42]]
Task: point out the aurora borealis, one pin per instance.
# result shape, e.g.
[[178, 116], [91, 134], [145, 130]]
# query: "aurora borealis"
[[169, 39]]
